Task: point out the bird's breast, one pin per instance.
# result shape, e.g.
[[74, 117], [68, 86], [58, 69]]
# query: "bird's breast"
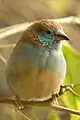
[[35, 72]]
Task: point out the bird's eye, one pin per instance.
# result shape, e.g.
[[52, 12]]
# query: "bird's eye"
[[48, 32]]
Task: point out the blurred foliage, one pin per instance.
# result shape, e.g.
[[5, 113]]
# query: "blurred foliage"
[[72, 77], [17, 11], [53, 116]]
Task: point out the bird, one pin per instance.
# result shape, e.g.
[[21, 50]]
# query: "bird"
[[37, 68]]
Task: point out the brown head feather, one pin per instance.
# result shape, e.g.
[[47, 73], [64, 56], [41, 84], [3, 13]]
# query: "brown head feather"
[[30, 35]]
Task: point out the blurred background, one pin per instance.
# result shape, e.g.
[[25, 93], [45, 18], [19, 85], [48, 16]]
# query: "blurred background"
[[18, 11]]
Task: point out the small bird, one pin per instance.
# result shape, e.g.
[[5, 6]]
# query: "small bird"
[[36, 67]]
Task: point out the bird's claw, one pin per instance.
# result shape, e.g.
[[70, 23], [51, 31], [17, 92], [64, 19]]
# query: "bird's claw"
[[18, 102], [65, 88]]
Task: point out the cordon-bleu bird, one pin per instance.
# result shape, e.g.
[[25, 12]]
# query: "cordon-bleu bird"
[[36, 67]]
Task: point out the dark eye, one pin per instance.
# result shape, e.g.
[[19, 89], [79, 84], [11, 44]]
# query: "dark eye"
[[48, 32]]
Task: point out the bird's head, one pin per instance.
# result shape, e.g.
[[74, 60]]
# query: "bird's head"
[[45, 33]]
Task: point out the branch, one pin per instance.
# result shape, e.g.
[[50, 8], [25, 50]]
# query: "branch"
[[7, 45], [8, 31], [20, 113], [3, 59], [69, 20], [40, 104]]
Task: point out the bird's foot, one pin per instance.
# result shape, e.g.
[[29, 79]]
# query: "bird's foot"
[[65, 88], [18, 102]]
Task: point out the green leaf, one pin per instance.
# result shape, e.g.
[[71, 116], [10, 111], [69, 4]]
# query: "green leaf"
[[72, 58], [53, 116], [73, 66]]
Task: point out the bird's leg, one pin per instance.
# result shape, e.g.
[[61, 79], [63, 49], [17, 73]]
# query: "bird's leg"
[[63, 89], [54, 99], [18, 102]]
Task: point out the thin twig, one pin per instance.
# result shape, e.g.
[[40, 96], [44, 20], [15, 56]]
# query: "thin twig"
[[8, 31], [7, 45], [41, 104], [69, 20], [3, 59], [20, 113]]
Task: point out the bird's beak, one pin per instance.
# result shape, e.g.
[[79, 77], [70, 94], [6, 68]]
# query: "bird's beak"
[[62, 36]]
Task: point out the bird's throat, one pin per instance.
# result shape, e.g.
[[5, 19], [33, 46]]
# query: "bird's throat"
[[39, 57]]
